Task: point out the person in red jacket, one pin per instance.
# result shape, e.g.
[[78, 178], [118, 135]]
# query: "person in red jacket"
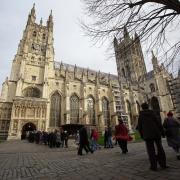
[[121, 135], [94, 138]]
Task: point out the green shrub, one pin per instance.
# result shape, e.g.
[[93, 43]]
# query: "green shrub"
[[1, 141], [101, 140], [137, 136]]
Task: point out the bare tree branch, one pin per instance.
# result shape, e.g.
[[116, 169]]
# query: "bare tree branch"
[[151, 19]]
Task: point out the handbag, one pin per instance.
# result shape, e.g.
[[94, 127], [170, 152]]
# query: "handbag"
[[124, 137]]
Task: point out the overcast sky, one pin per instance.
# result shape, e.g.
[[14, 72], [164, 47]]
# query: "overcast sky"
[[71, 46]]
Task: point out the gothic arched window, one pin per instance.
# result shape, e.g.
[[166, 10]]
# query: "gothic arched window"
[[105, 111], [34, 34], [44, 36], [138, 106], [55, 110], [123, 72], [91, 109], [74, 109], [32, 92], [152, 87]]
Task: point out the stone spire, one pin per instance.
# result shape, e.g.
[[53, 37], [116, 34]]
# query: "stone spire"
[[126, 33], [115, 41], [41, 22], [32, 15], [50, 16], [75, 71], [33, 12], [50, 21], [136, 37], [154, 62]]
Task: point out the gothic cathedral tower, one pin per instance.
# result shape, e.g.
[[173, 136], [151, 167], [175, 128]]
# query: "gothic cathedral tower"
[[32, 67], [35, 53], [129, 58]]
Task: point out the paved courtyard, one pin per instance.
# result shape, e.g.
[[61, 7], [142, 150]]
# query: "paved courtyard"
[[22, 160]]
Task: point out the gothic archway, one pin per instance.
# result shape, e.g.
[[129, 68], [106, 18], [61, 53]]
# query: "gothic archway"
[[32, 92], [152, 87], [28, 127]]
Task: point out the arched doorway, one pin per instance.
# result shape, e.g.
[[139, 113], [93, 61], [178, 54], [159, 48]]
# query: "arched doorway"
[[155, 106], [27, 128]]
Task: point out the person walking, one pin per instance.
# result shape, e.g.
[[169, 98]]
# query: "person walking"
[[58, 138], [109, 137], [94, 138], [122, 136], [106, 137], [62, 137], [66, 137], [84, 142], [77, 138], [151, 130], [172, 127]]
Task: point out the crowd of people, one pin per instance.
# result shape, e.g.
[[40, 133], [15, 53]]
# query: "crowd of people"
[[58, 138], [149, 126]]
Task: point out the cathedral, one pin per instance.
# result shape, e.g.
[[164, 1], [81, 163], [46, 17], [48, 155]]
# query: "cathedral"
[[42, 94]]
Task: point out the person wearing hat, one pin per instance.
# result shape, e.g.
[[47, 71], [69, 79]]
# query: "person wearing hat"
[[172, 127], [151, 130]]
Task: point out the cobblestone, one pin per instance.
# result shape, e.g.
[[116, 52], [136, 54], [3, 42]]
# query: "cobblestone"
[[20, 160]]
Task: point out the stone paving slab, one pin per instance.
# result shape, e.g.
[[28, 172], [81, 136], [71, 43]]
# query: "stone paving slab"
[[20, 160]]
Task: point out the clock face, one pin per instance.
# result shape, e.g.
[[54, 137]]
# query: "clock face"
[[35, 47]]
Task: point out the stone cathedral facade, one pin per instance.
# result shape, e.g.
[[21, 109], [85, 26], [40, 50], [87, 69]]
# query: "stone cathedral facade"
[[42, 94]]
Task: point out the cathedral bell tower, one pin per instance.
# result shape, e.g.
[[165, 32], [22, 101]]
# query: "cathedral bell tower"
[[129, 58], [34, 62], [32, 69]]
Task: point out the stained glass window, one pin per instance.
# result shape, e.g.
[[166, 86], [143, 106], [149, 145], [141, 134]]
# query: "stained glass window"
[[55, 111], [105, 110], [91, 110], [74, 109], [152, 87], [32, 92]]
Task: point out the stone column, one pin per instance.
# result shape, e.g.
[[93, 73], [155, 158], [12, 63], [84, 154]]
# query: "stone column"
[[67, 110]]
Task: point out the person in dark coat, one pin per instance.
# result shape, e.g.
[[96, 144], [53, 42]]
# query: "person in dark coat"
[[172, 127], [83, 142], [66, 136], [106, 137], [52, 140], [151, 130], [62, 137]]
